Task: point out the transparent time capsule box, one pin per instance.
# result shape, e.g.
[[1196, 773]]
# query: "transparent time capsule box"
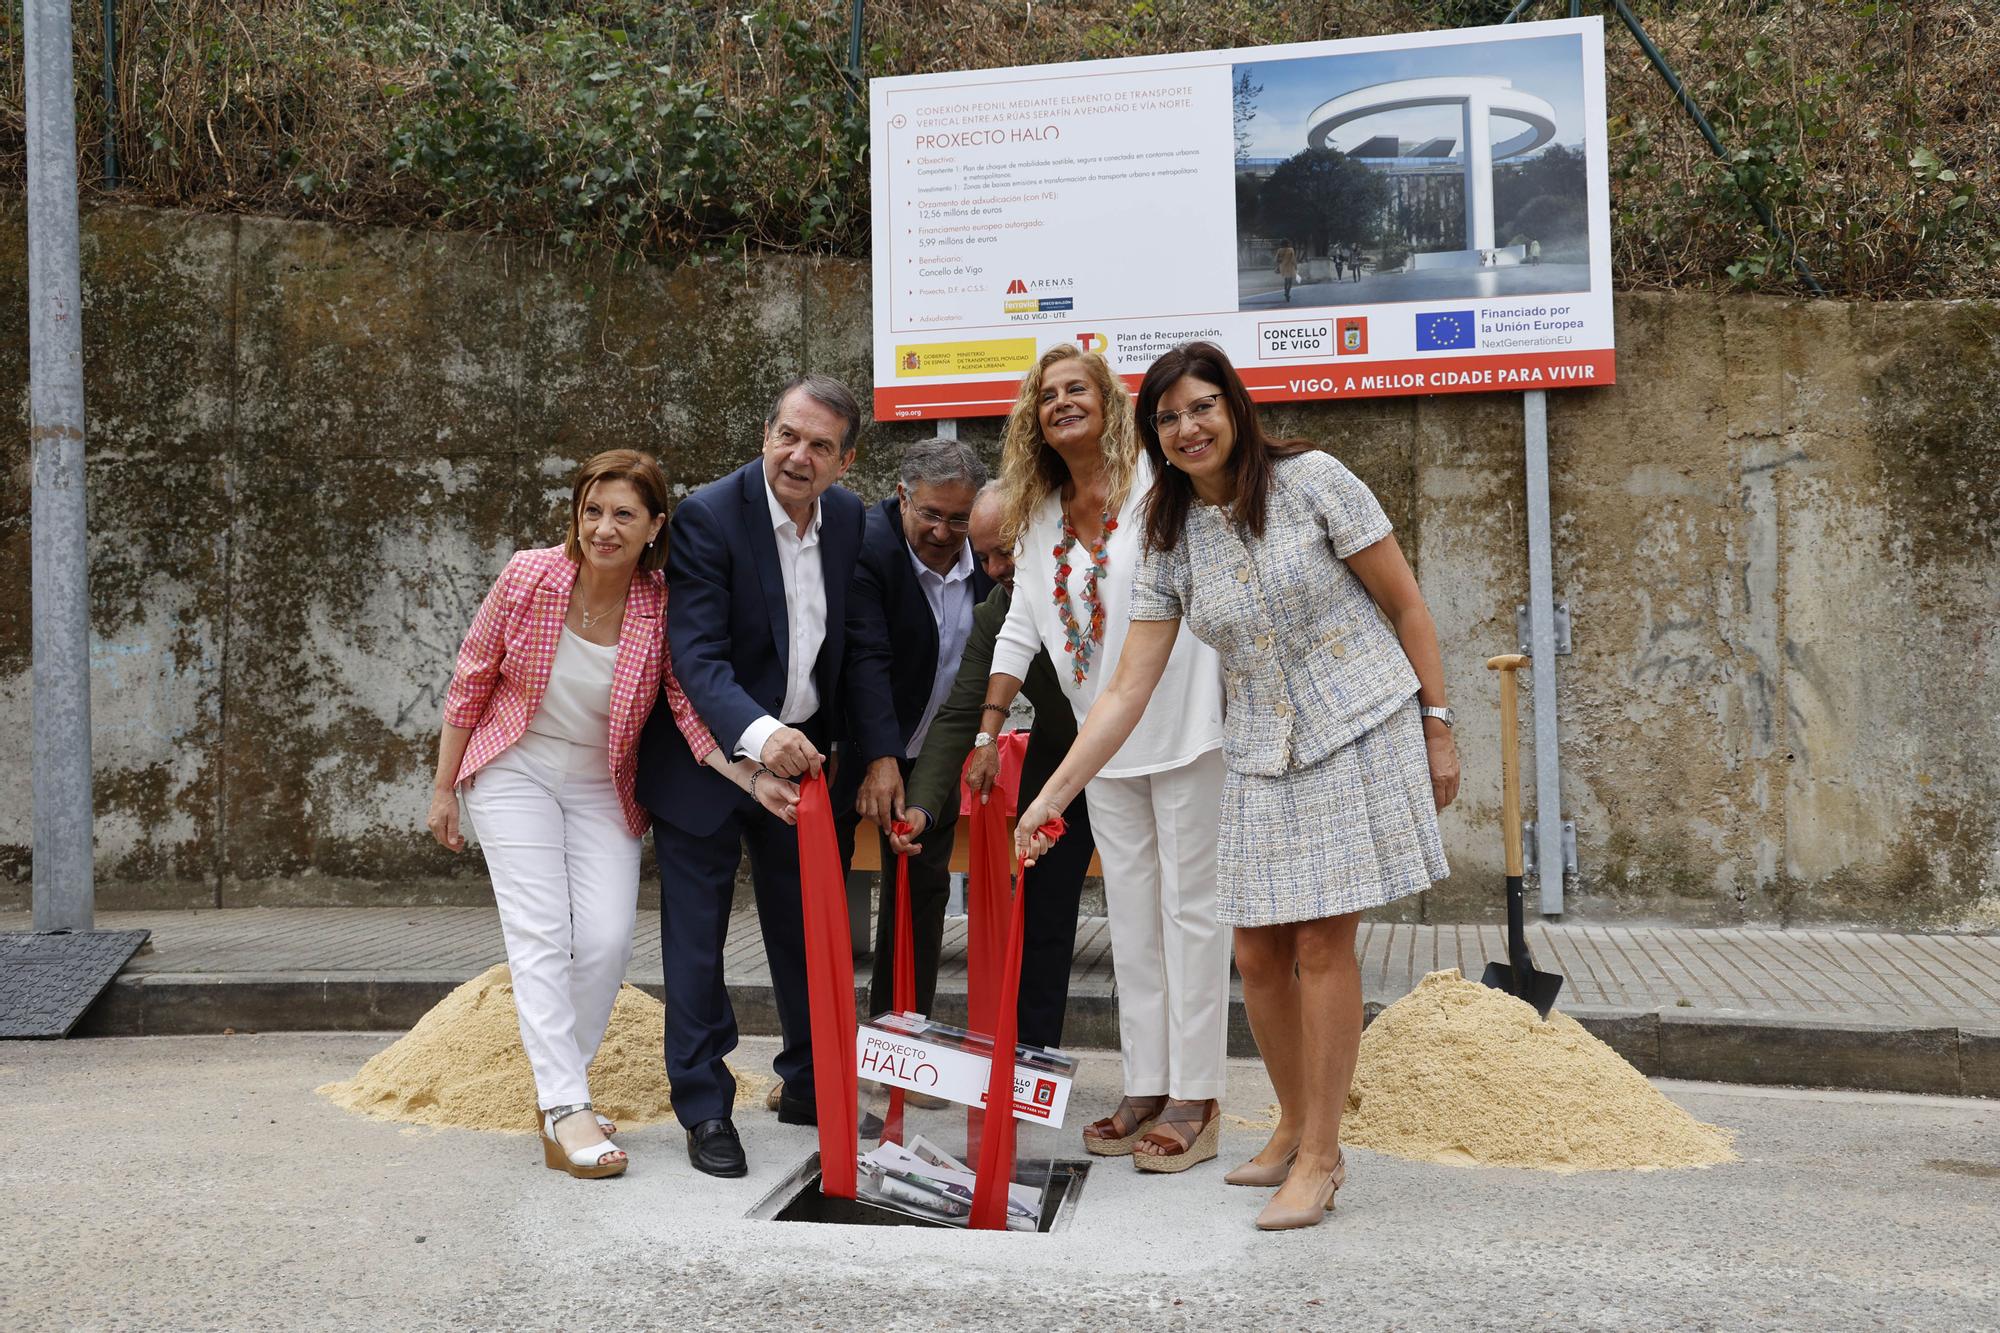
[[922, 1159]]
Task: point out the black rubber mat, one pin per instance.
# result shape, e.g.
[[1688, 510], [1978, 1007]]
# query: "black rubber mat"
[[47, 981]]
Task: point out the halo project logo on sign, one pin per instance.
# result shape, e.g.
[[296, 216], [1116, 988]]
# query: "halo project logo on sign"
[[1446, 188]]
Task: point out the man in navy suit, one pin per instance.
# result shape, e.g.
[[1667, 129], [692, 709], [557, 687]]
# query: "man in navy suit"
[[758, 569], [908, 617]]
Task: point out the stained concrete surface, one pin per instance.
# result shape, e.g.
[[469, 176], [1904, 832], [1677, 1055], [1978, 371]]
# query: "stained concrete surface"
[[312, 447], [195, 1183]]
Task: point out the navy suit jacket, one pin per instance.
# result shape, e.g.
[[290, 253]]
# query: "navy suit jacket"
[[893, 647], [730, 632]]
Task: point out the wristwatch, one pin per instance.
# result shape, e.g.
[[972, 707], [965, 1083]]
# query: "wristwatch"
[[1441, 714], [982, 740]]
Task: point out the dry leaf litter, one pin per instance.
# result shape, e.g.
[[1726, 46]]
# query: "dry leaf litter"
[[1460, 1073], [462, 1066]]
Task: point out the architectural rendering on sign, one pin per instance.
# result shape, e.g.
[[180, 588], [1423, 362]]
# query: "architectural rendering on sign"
[[1422, 174]]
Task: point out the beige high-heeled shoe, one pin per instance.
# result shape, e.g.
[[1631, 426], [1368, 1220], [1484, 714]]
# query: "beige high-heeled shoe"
[[1254, 1172], [1274, 1218]]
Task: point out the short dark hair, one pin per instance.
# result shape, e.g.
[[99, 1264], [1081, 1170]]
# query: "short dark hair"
[[1250, 459], [830, 394], [642, 471]]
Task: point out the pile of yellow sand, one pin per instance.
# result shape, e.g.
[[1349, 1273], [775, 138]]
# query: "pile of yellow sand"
[[1461, 1073], [462, 1065]]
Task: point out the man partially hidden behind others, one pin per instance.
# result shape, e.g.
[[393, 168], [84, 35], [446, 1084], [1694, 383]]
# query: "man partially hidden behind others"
[[909, 614]]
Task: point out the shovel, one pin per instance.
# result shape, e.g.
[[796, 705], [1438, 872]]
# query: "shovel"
[[1517, 976]]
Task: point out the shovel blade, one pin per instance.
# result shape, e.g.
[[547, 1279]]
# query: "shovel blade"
[[1537, 988]]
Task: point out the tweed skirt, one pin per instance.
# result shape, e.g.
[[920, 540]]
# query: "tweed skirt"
[[1356, 830]]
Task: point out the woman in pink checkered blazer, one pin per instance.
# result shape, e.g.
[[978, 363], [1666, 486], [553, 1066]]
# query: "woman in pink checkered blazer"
[[555, 681]]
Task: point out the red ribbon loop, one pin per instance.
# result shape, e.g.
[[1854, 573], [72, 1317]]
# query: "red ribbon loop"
[[829, 988], [903, 975], [996, 1146]]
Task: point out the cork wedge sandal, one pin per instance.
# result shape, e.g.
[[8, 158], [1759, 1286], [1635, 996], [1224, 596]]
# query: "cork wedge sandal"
[[595, 1161], [1114, 1135], [1188, 1141]]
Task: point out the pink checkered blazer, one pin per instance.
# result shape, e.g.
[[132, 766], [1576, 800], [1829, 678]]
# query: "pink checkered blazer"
[[504, 664]]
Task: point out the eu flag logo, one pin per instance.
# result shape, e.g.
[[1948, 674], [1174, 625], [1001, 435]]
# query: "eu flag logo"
[[1445, 331]]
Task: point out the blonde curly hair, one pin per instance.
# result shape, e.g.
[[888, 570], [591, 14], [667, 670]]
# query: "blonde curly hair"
[[1030, 468]]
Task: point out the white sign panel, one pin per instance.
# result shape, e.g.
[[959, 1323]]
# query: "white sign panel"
[[1417, 213], [931, 1058]]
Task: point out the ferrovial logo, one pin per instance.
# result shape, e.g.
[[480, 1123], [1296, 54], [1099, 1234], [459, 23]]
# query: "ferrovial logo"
[[1093, 342]]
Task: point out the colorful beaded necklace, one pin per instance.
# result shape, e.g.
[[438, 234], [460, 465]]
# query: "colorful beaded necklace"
[[1080, 643]]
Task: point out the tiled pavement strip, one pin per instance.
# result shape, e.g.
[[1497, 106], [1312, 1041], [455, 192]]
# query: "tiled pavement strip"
[[1876, 988]]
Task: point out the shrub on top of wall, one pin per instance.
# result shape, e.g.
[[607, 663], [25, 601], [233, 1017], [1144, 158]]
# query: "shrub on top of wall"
[[684, 129]]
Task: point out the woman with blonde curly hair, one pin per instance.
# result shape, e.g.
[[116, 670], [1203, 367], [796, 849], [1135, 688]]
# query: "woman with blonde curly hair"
[[1073, 481]]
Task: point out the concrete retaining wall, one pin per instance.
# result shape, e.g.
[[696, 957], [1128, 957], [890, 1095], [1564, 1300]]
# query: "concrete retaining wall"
[[310, 449]]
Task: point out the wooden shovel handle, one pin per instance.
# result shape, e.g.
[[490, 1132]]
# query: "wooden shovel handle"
[[1510, 756]]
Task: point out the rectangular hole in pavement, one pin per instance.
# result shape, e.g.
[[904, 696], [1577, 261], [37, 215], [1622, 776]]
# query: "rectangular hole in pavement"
[[797, 1199]]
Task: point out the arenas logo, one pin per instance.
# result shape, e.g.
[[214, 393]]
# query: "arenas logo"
[[1021, 298]]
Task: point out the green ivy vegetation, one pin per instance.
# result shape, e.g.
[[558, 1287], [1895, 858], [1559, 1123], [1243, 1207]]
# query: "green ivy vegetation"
[[679, 130]]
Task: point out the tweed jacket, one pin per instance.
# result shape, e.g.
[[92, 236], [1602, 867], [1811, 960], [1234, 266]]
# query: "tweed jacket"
[[1308, 664], [504, 664]]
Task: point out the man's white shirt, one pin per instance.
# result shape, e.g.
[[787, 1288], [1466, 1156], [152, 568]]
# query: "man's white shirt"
[[805, 616], [950, 597]]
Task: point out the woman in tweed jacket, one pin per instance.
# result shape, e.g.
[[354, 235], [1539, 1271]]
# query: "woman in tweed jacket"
[[554, 683], [1335, 729]]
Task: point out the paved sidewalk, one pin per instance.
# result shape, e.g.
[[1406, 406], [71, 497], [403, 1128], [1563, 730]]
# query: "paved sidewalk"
[[1912, 1013]]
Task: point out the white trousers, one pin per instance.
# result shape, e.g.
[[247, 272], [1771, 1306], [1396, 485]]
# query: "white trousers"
[[1156, 838], [566, 879]]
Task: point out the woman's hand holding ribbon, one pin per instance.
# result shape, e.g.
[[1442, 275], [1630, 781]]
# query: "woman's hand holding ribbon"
[[1040, 826]]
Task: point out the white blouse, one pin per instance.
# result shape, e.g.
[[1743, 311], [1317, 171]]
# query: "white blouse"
[[576, 706], [1183, 721]]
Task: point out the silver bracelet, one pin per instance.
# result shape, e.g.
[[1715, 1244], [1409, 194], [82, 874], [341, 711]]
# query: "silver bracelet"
[[761, 771]]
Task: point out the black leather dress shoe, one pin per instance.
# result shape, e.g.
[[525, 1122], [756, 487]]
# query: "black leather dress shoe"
[[798, 1110], [714, 1148]]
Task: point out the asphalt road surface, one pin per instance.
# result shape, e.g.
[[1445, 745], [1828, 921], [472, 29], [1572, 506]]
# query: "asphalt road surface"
[[198, 1182]]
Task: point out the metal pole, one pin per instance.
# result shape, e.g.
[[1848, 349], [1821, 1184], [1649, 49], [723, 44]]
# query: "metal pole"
[[110, 94], [62, 812], [854, 44], [1542, 649]]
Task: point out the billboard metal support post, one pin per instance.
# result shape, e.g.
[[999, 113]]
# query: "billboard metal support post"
[[63, 889], [111, 94], [1549, 858]]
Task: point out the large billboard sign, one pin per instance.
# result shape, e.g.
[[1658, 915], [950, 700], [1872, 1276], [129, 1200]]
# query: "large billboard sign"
[[1416, 213]]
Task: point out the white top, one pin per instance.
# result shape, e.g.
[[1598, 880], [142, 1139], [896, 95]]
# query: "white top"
[[1183, 721], [576, 706], [950, 597], [805, 617]]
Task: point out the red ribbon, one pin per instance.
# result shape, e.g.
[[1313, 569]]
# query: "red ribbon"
[[829, 988], [996, 1146], [986, 912], [902, 977]]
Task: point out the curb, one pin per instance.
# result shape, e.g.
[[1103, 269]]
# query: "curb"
[[1693, 1044]]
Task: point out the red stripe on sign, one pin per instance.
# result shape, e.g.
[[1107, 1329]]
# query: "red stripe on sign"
[[1432, 374], [1291, 383]]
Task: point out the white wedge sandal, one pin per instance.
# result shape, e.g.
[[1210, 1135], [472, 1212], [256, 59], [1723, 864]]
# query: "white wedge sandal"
[[586, 1163]]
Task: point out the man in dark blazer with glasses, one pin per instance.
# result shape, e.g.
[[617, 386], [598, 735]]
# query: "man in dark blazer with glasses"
[[909, 615]]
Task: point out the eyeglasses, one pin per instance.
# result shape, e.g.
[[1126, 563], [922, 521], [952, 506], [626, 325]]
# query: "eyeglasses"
[[1200, 411], [930, 518]]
